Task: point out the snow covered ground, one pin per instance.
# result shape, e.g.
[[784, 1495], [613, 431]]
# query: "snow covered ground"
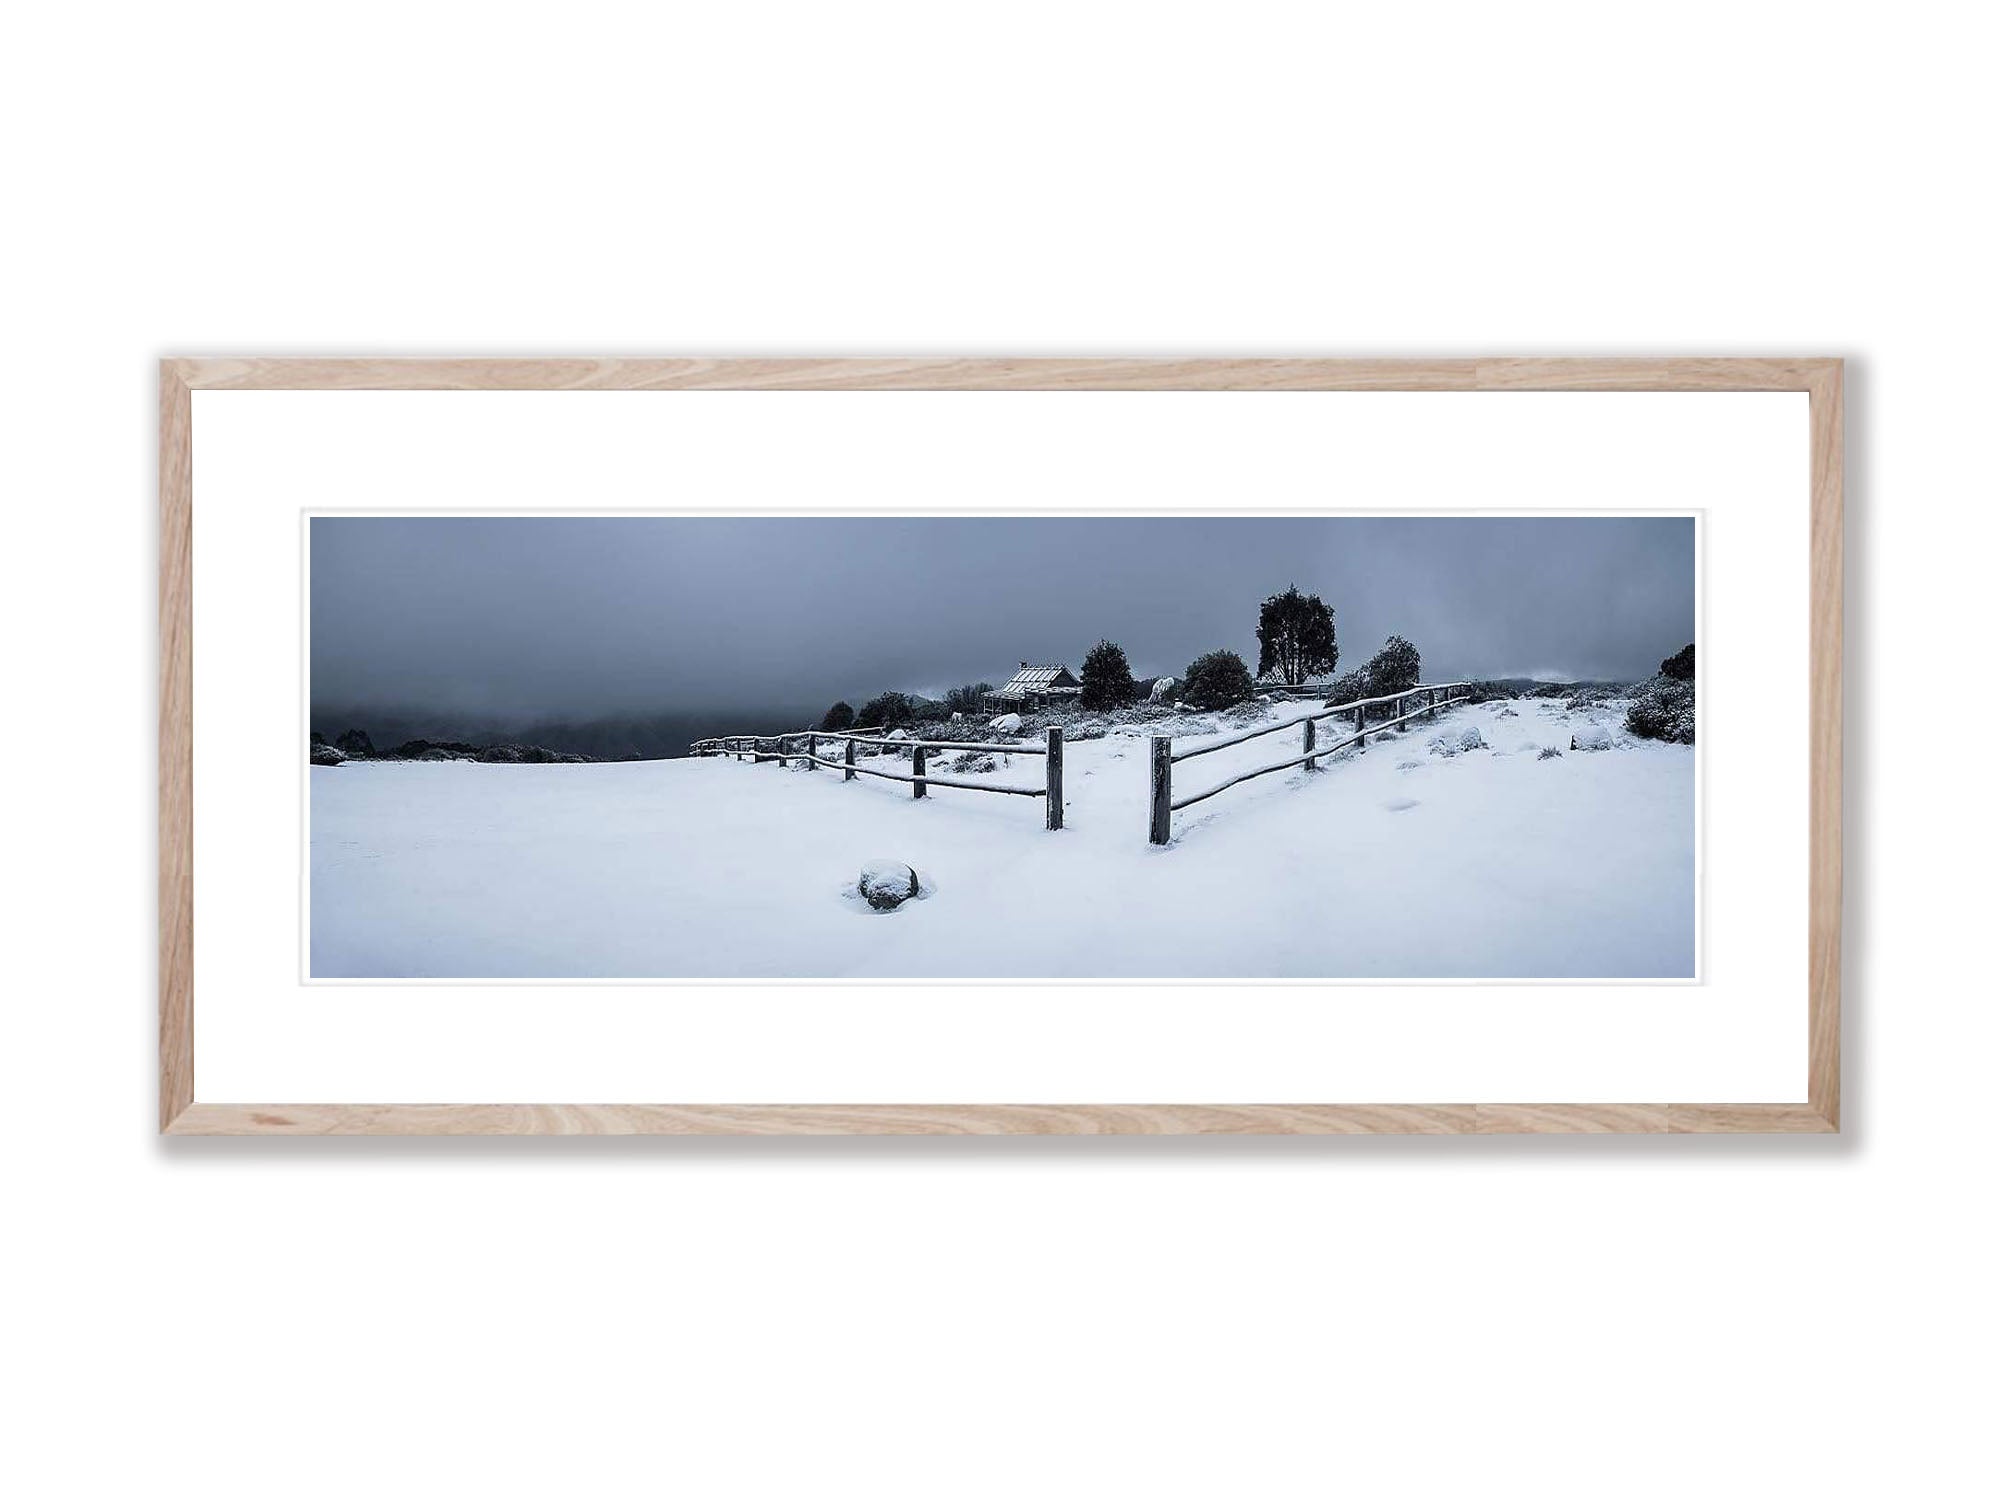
[[1395, 861]]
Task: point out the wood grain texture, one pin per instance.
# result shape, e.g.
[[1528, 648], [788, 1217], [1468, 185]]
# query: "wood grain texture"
[[1828, 528], [176, 769], [1539, 374], [998, 1119], [1584, 1119], [827, 1119], [180, 1115]]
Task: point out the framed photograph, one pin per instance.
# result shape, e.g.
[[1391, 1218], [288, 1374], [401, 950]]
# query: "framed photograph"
[[1000, 746]]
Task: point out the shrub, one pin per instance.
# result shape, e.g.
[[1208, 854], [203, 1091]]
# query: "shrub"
[[967, 699], [1680, 666], [1295, 636], [355, 742], [1397, 667], [1215, 681], [1663, 709], [885, 711], [839, 717], [1549, 752], [1348, 686], [1107, 678]]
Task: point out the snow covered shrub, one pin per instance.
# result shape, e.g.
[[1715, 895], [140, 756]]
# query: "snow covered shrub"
[[1549, 752], [323, 754], [355, 742], [1592, 695], [972, 760], [1215, 681], [1107, 677], [1397, 667], [1663, 709], [1590, 737], [1449, 744], [840, 716], [1348, 686], [1680, 666]]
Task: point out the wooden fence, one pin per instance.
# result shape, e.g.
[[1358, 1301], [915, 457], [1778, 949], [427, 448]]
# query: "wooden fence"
[[1159, 828], [752, 747]]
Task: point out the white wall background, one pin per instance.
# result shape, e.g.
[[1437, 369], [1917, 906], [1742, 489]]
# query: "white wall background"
[[1558, 1317]]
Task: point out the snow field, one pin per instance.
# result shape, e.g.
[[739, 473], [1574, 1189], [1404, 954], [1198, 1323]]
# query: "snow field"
[[1392, 861]]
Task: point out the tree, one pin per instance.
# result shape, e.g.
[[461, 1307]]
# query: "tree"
[[1680, 666], [840, 716], [1107, 678], [885, 711], [1397, 667], [1215, 681], [1295, 636]]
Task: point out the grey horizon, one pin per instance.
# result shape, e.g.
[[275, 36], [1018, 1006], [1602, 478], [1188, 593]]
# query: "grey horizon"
[[517, 620]]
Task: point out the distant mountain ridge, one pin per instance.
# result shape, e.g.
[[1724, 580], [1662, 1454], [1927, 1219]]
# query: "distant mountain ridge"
[[611, 737]]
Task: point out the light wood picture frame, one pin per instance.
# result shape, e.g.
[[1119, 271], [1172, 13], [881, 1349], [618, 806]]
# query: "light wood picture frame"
[[183, 1112]]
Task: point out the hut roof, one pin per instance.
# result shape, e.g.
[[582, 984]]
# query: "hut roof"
[[1032, 679]]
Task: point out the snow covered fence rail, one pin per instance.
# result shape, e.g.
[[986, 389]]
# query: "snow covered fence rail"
[[1163, 806], [750, 746], [919, 781]]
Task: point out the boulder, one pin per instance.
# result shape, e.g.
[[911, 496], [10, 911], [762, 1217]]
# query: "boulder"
[[886, 884], [1164, 689], [324, 754], [1006, 723], [1590, 737]]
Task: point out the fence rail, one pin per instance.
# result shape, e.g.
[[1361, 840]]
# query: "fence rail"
[[1162, 806], [919, 780]]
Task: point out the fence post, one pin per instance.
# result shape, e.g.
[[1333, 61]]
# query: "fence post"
[[1055, 792], [1360, 726], [848, 774], [1311, 740], [918, 787], [1161, 827], [812, 752]]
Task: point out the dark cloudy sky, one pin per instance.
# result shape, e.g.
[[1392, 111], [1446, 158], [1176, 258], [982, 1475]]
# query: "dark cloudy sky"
[[529, 618]]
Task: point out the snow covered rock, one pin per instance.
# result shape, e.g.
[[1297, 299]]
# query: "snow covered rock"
[[326, 755], [1163, 689], [1006, 723], [886, 884], [897, 734], [1449, 745], [1590, 737]]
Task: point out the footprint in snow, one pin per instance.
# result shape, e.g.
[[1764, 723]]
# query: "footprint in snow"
[[1400, 804]]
